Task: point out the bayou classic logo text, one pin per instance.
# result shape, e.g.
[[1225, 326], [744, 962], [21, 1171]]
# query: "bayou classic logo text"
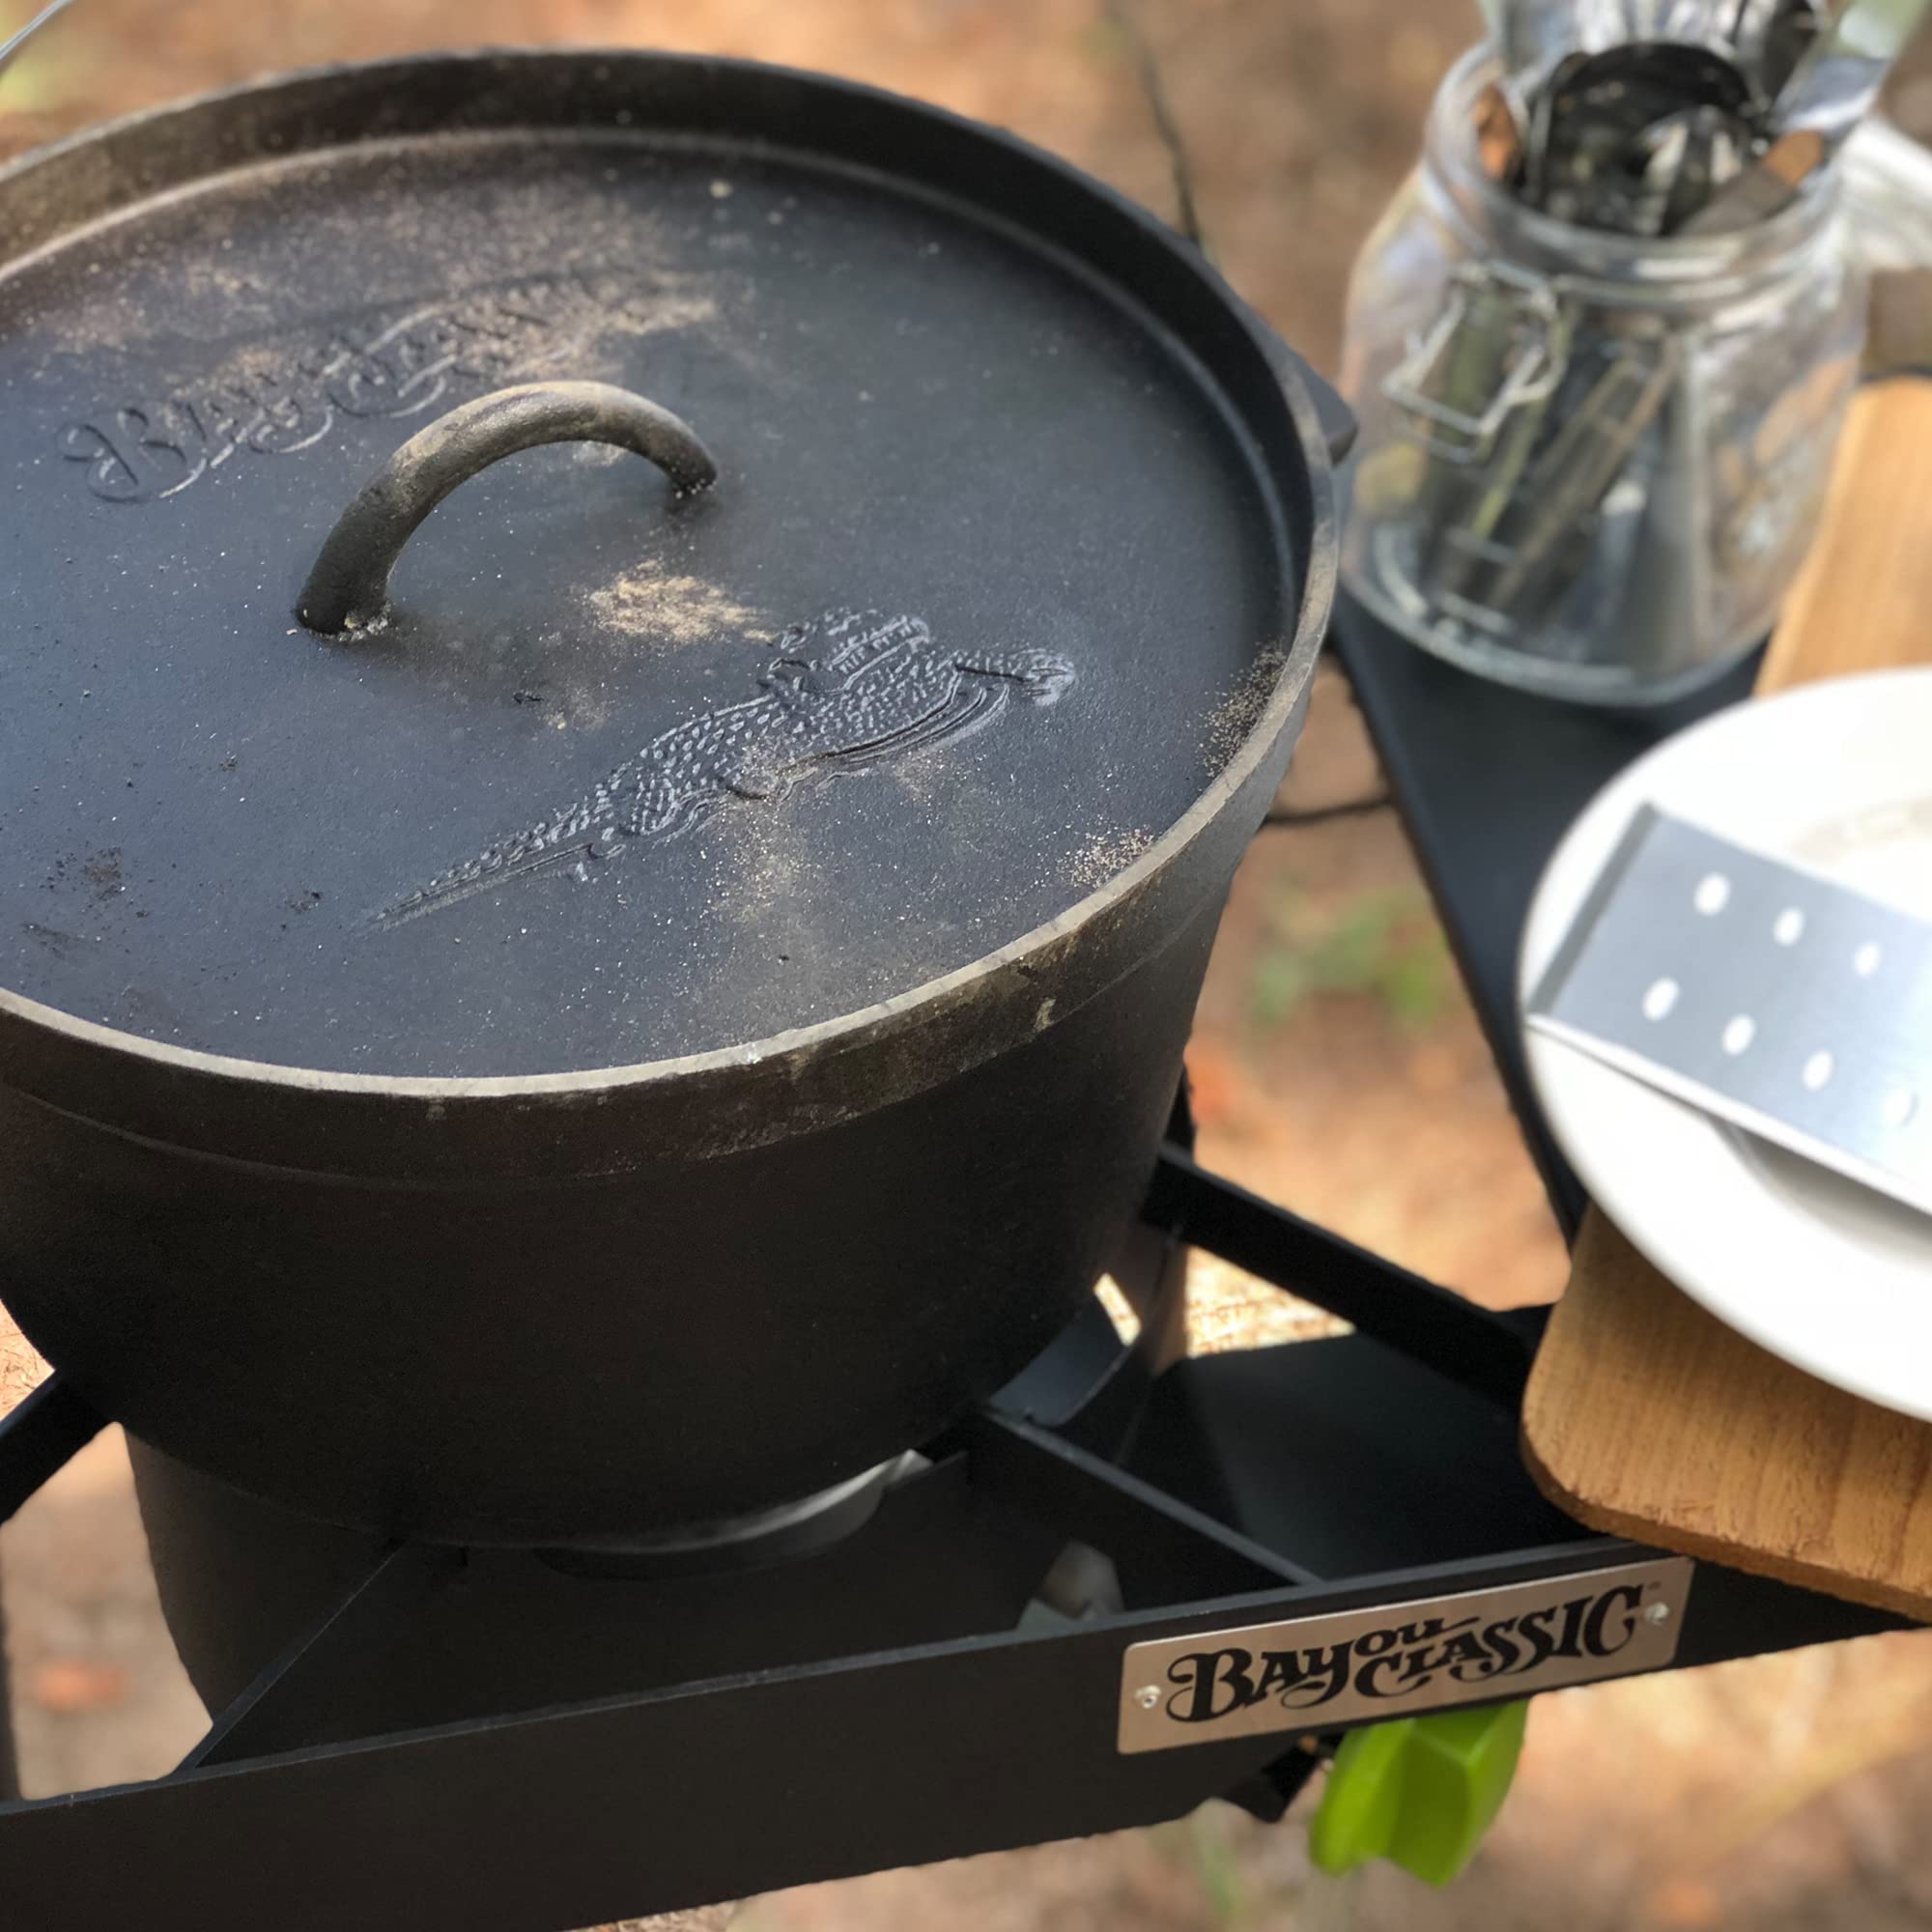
[[1318, 1672], [1402, 1659]]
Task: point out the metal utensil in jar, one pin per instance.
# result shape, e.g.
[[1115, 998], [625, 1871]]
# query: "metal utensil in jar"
[[1837, 79], [14, 43]]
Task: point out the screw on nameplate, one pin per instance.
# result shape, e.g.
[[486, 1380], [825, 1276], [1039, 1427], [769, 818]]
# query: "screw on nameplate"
[[847, 690], [1319, 1673]]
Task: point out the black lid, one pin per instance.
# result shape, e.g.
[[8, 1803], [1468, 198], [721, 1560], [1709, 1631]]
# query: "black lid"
[[992, 580]]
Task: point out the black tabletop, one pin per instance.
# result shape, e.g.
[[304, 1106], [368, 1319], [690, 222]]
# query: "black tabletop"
[[1488, 781]]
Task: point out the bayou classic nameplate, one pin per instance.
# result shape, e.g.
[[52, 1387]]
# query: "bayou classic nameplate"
[[1395, 1660]]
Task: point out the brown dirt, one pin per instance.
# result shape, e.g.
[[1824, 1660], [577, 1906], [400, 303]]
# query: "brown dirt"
[[1780, 1795], [21, 1368]]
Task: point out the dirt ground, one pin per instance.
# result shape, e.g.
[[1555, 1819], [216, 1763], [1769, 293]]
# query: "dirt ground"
[[1337, 1066]]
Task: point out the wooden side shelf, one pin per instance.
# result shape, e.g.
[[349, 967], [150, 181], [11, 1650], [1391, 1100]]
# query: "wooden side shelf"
[[1646, 1417]]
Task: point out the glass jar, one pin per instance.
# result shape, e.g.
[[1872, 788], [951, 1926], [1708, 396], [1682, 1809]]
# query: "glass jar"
[[1590, 464]]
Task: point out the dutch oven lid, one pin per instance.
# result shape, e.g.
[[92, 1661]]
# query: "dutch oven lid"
[[993, 578]]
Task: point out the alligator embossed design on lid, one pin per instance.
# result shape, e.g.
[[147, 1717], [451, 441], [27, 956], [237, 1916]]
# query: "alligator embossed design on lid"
[[878, 688], [913, 407]]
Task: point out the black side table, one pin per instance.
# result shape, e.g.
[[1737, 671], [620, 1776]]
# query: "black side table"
[[1488, 780]]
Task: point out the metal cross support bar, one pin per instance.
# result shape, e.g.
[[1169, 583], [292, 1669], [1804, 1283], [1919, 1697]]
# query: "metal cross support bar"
[[271, 1709], [1430, 1324], [1156, 1542], [38, 1436]]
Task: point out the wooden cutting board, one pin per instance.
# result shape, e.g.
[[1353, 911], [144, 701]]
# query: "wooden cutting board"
[[1646, 1417]]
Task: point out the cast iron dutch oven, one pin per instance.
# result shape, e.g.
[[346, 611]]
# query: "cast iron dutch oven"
[[642, 997]]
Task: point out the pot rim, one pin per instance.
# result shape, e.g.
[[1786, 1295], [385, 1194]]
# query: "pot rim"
[[899, 1011]]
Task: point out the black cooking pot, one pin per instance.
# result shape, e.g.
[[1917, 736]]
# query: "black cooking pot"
[[650, 1009]]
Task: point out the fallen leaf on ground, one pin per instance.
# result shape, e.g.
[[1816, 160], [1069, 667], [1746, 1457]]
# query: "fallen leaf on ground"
[[69, 1684], [1214, 1082]]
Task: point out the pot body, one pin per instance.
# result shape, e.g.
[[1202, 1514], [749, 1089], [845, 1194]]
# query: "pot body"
[[581, 1357]]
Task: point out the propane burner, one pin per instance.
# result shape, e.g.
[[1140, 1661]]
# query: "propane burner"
[[774, 1535]]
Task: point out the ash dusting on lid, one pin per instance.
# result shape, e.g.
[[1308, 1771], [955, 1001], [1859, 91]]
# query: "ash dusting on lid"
[[771, 888], [658, 606], [1225, 727], [104, 320], [671, 304], [1107, 853]]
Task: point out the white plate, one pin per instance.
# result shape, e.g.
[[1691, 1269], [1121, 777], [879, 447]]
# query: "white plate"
[[1831, 1276]]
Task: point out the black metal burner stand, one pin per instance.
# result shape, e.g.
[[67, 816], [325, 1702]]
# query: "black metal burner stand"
[[481, 1738]]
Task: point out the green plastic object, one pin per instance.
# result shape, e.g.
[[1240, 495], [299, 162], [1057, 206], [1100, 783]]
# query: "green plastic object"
[[1419, 1792]]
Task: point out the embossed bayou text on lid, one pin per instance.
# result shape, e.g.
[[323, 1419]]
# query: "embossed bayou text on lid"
[[277, 402], [846, 690], [1396, 1660]]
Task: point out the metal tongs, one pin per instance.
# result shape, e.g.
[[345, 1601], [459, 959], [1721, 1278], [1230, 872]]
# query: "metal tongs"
[[1832, 86], [10, 47], [1661, 117]]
